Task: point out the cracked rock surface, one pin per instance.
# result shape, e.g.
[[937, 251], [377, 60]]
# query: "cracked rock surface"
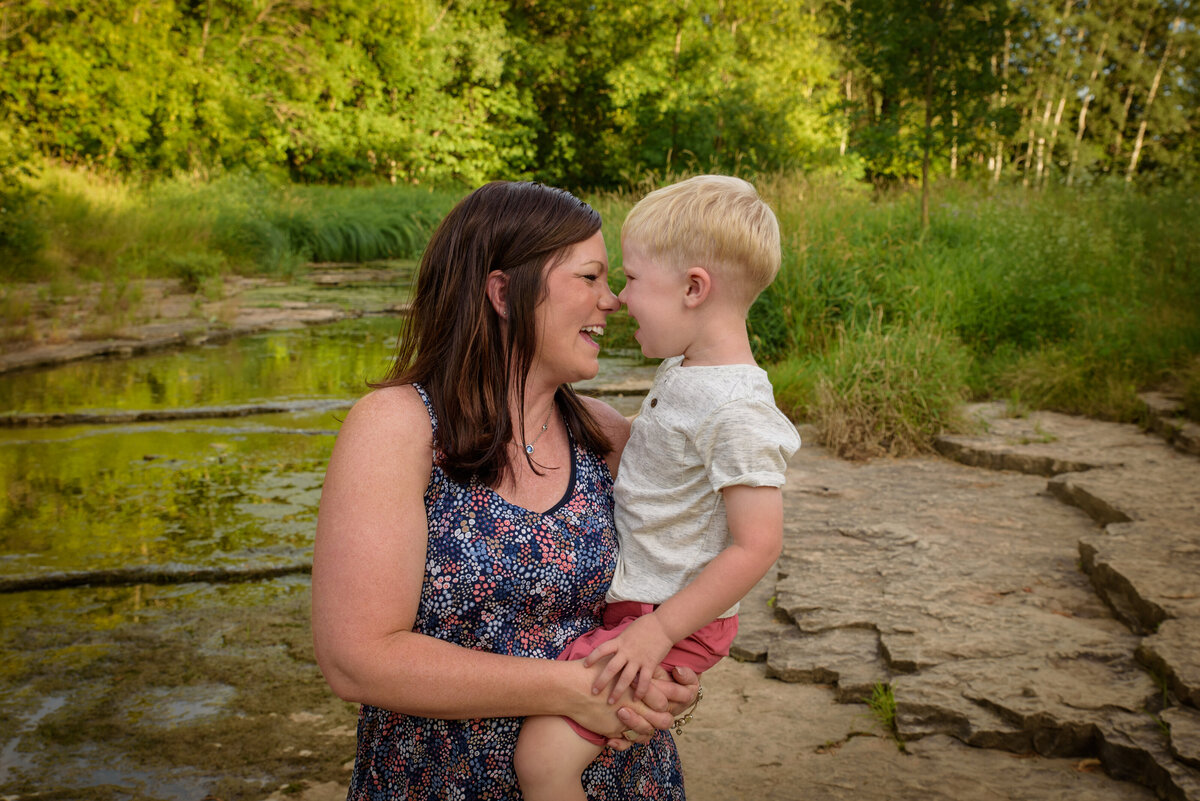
[[1037, 593]]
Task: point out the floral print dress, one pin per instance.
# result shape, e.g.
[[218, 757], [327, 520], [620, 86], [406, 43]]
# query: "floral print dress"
[[505, 579]]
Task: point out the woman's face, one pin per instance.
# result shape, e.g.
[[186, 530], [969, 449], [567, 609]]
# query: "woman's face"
[[572, 315]]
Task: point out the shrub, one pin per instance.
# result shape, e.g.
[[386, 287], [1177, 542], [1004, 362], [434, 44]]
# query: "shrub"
[[22, 234], [888, 391]]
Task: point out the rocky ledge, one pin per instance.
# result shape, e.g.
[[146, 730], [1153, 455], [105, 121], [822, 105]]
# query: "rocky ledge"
[[1036, 592]]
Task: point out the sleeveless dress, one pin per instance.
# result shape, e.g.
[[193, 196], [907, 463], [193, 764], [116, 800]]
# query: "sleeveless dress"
[[505, 579]]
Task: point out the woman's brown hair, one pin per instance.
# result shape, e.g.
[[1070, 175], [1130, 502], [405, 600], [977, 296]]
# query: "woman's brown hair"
[[452, 342]]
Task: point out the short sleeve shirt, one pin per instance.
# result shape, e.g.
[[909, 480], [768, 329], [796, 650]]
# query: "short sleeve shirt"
[[700, 429]]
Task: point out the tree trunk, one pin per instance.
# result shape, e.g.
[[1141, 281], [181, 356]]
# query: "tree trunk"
[[954, 144], [1037, 98], [204, 32], [846, 116], [1083, 110], [1042, 168], [675, 81], [927, 144], [1062, 102], [1041, 145], [1003, 104], [953, 131], [1162, 64], [1141, 50]]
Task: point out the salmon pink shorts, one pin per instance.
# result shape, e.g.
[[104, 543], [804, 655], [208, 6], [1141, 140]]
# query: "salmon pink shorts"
[[703, 649]]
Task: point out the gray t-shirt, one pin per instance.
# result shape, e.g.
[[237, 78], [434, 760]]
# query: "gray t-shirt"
[[700, 429]]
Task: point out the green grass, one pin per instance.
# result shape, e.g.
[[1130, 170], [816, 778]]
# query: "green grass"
[[875, 331], [883, 707], [75, 224]]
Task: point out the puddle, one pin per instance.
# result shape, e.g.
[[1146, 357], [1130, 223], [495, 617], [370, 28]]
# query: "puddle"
[[164, 707]]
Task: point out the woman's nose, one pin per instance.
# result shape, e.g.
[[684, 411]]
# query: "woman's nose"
[[609, 301]]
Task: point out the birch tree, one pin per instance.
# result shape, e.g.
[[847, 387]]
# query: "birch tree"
[[1150, 96]]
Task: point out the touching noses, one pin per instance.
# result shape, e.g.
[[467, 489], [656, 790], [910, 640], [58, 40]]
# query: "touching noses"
[[608, 301]]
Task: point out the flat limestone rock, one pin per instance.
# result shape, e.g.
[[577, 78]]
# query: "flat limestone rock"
[[1184, 724], [822, 750], [1173, 652], [848, 659], [970, 582], [1147, 571], [1134, 748], [1166, 419]]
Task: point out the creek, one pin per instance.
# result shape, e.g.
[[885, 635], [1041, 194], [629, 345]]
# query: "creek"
[[174, 688]]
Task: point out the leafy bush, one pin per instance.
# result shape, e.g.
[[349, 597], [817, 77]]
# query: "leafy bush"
[[880, 391], [22, 234], [195, 270]]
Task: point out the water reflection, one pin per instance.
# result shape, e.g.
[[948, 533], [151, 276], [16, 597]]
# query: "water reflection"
[[107, 497], [133, 691], [175, 691], [333, 361]]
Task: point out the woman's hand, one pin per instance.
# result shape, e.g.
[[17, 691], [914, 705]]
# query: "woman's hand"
[[669, 695]]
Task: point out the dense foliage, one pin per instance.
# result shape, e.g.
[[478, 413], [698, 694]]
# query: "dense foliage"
[[598, 94], [189, 138]]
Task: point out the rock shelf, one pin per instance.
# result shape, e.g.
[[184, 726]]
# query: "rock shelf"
[[1048, 603]]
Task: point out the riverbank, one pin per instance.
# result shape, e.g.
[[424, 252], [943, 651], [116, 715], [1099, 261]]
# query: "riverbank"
[[1029, 601], [155, 314]]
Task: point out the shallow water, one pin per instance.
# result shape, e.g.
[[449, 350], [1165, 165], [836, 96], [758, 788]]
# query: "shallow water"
[[330, 361], [176, 691]]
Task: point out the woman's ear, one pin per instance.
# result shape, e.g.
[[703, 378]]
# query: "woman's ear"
[[698, 287], [497, 292]]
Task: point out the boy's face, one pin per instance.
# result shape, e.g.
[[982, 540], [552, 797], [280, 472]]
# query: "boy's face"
[[654, 294]]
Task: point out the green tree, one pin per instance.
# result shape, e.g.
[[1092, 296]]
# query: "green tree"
[[931, 61]]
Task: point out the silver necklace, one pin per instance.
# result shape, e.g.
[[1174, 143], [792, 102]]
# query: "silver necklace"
[[545, 425]]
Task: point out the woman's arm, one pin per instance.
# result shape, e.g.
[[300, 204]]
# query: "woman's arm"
[[368, 567]]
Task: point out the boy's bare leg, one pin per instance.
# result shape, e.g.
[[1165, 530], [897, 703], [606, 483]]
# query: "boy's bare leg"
[[550, 760]]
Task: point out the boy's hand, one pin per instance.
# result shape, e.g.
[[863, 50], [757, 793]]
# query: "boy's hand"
[[635, 654]]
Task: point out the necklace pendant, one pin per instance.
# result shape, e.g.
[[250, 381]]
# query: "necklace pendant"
[[529, 449]]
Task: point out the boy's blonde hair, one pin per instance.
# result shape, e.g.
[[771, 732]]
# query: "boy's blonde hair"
[[713, 221]]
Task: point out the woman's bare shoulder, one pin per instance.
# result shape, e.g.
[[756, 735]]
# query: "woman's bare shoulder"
[[615, 427], [390, 418], [399, 405], [612, 421]]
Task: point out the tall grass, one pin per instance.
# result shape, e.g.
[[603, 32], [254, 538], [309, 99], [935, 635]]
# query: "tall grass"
[[1072, 301], [874, 329], [95, 228]]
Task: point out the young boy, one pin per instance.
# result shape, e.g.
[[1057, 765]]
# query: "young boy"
[[699, 511]]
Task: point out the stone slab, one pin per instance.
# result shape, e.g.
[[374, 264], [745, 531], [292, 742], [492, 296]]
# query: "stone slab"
[[1184, 725], [1173, 653], [970, 579]]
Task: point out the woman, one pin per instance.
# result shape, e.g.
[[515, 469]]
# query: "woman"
[[465, 534]]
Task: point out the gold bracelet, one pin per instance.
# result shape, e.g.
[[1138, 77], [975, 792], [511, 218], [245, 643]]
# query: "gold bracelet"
[[680, 722]]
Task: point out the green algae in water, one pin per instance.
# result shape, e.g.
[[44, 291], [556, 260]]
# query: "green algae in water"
[[103, 497], [231, 665], [167, 693], [328, 361]]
